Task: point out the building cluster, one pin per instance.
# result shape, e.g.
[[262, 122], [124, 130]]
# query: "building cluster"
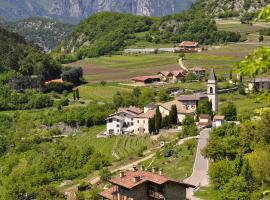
[[260, 84], [168, 76], [143, 185], [133, 120]]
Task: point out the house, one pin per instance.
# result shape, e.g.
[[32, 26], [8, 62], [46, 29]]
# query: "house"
[[54, 81], [182, 110], [141, 122], [190, 102], [143, 185], [260, 84], [218, 121], [198, 71], [171, 76], [189, 46], [122, 122], [146, 80], [204, 120]]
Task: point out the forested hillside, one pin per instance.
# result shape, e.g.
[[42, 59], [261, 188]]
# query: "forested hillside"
[[231, 8], [45, 32], [105, 33]]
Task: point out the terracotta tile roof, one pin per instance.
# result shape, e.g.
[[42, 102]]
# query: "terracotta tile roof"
[[189, 44], [128, 180], [144, 78], [204, 116], [109, 193], [179, 106], [219, 117], [54, 81], [191, 97], [165, 73], [178, 73], [132, 109], [149, 114]]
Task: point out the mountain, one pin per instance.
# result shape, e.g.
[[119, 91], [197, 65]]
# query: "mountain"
[[75, 10], [230, 8], [107, 32], [47, 33]]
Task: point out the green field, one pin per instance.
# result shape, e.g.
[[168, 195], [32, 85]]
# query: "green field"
[[206, 193], [179, 166]]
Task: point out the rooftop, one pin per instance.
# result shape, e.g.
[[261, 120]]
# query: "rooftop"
[[55, 81], [204, 116], [179, 106], [188, 44], [144, 78], [165, 73], [191, 97], [212, 76], [219, 117], [127, 181]]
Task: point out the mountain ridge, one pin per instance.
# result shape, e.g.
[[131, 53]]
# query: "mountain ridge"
[[75, 10]]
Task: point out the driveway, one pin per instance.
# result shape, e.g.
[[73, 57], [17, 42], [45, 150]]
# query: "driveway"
[[199, 175]]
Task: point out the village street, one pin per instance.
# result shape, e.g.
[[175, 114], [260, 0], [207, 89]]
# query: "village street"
[[199, 175]]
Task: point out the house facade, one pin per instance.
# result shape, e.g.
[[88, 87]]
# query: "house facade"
[[122, 122], [171, 76], [261, 84], [143, 185], [189, 46], [218, 121]]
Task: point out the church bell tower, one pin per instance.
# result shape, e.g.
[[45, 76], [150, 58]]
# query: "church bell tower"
[[212, 90]]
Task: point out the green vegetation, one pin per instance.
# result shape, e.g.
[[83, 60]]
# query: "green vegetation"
[[47, 33], [179, 165], [107, 33]]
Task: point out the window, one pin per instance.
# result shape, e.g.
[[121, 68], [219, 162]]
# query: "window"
[[211, 90], [117, 125], [110, 120], [117, 120], [138, 121], [131, 123]]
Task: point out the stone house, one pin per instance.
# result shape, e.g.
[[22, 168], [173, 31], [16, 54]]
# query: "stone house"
[[143, 185]]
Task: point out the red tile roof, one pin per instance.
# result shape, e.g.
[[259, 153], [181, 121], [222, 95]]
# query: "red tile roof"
[[191, 97], [109, 193], [204, 116], [127, 180], [144, 78], [219, 117], [178, 73], [189, 44]]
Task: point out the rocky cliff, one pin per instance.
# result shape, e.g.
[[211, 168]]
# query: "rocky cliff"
[[74, 10]]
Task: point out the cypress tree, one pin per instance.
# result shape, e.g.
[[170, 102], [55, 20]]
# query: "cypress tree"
[[173, 115], [77, 94], [158, 120]]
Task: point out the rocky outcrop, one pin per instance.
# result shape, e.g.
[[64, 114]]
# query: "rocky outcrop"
[[74, 10]]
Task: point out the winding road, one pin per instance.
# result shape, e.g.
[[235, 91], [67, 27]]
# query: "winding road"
[[199, 176]]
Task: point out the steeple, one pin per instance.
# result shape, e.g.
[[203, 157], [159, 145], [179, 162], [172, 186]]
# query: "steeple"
[[212, 90], [212, 76]]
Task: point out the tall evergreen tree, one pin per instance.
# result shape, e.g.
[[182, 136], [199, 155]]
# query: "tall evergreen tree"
[[173, 115], [246, 172], [77, 94], [158, 120]]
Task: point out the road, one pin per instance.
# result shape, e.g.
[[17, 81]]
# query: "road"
[[70, 192], [199, 176]]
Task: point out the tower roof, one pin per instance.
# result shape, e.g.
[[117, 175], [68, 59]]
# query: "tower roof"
[[212, 76]]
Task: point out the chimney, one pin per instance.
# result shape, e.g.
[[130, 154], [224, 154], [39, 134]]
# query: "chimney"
[[161, 172], [136, 179], [134, 168], [143, 168], [122, 174], [154, 169]]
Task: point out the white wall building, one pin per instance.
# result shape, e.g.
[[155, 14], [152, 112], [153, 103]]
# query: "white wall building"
[[260, 84], [212, 90]]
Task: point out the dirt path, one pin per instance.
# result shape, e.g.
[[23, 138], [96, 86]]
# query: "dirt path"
[[71, 191]]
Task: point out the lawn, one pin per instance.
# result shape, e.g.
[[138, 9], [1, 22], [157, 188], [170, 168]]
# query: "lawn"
[[179, 166], [97, 92], [246, 105], [206, 193], [238, 27]]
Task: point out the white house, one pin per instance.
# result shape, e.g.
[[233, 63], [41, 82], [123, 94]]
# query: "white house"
[[218, 121], [260, 84], [122, 122]]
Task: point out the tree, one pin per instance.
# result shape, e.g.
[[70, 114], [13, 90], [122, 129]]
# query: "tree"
[[49, 192], [204, 107], [173, 115], [158, 120], [73, 75], [166, 122], [151, 125], [105, 174], [136, 92], [230, 112], [163, 95], [77, 92], [189, 127], [261, 38], [247, 174]]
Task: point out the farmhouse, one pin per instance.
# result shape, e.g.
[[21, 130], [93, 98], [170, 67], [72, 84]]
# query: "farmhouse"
[[218, 121], [189, 46], [122, 122], [198, 71], [143, 185], [260, 84], [145, 80], [171, 76]]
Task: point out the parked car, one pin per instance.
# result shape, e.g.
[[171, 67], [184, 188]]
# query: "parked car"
[[168, 153]]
